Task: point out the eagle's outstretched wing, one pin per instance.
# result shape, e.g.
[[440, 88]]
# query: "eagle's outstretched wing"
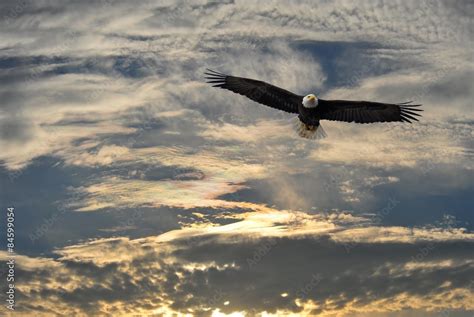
[[256, 90], [367, 111]]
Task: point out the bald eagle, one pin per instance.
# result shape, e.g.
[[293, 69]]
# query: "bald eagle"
[[311, 109]]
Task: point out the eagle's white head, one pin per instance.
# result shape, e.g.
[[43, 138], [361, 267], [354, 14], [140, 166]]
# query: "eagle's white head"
[[310, 101]]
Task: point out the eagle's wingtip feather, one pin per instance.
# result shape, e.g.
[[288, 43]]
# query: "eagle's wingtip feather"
[[213, 72]]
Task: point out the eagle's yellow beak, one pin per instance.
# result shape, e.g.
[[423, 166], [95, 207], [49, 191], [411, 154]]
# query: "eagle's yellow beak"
[[311, 98]]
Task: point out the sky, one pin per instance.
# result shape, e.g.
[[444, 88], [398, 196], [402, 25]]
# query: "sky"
[[140, 190]]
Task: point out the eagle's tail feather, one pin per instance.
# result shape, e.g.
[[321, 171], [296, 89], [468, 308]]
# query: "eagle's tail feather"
[[308, 131]]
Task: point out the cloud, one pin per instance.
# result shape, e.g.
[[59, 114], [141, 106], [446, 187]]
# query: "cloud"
[[197, 201], [189, 270], [196, 181]]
